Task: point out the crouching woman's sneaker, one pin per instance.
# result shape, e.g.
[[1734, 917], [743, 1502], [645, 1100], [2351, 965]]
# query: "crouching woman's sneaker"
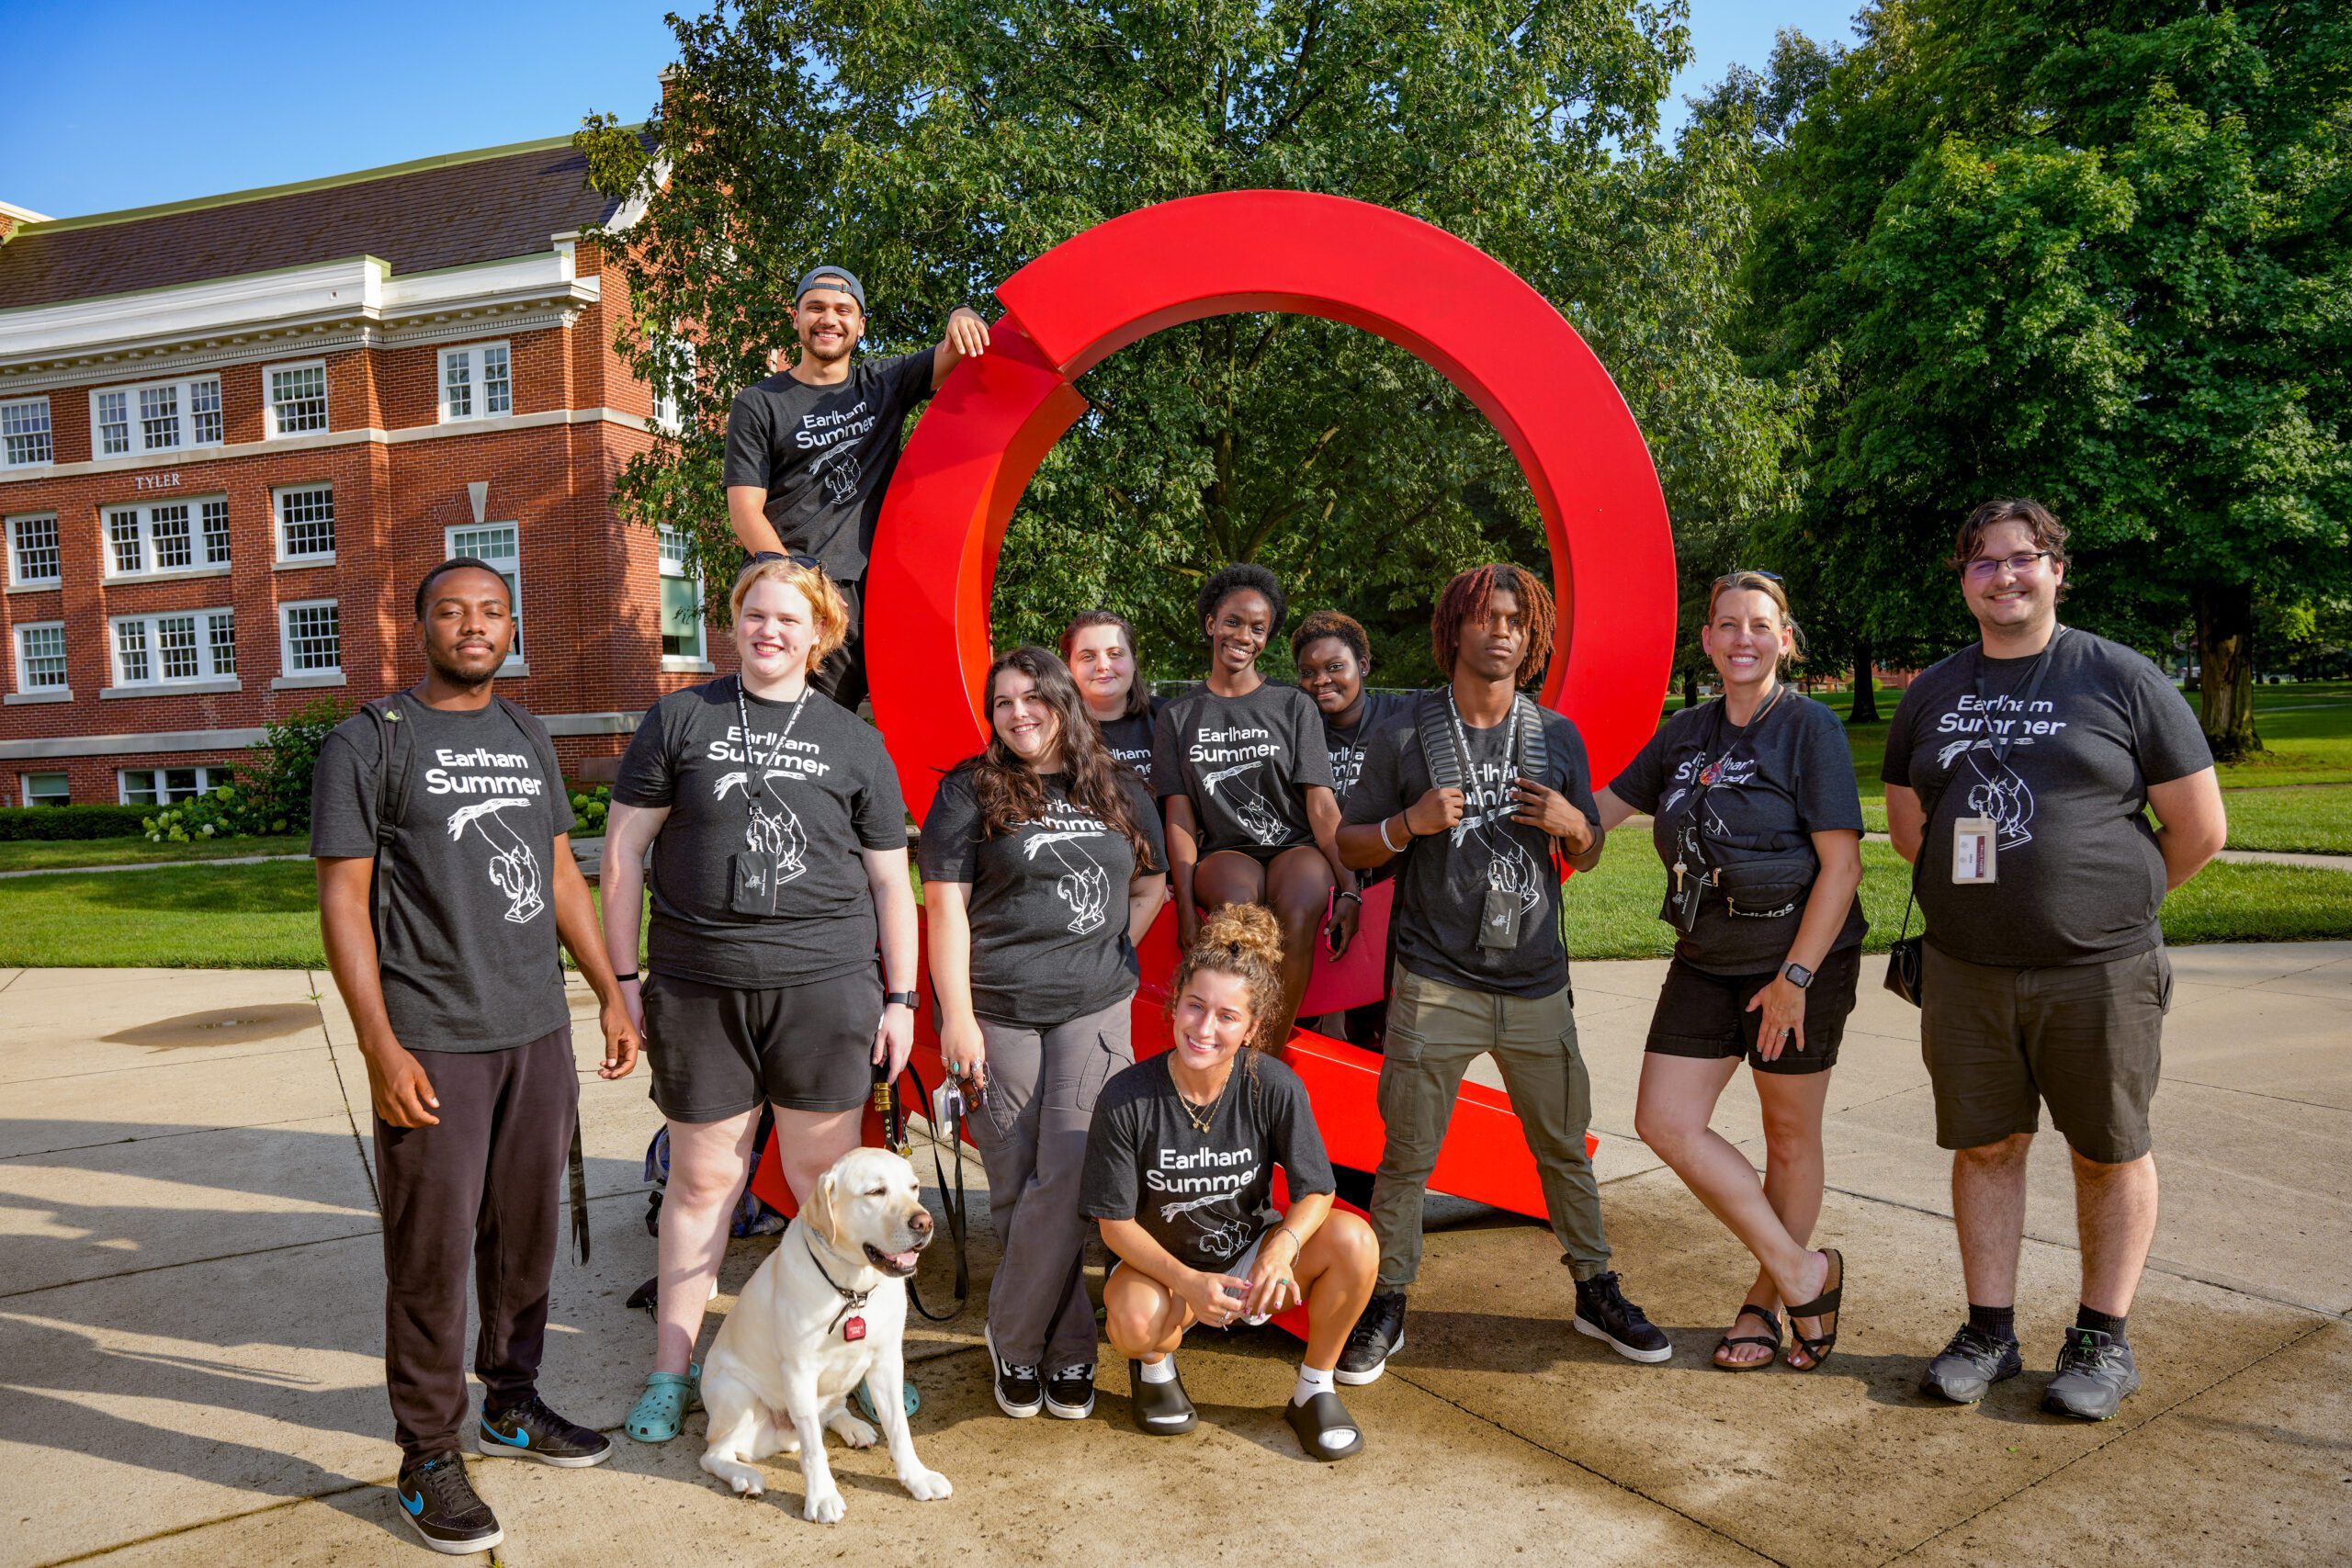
[[441, 1506], [530, 1430], [1603, 1312]]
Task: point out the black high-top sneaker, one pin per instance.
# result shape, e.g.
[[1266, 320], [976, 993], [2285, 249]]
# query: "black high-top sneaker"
[[1603, 1312], [1379, 1334]]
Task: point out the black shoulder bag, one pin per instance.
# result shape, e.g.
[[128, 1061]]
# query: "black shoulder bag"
[[1906, 958], [1763, 887]]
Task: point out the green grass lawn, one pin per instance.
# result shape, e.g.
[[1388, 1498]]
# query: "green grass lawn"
[[60, 854]]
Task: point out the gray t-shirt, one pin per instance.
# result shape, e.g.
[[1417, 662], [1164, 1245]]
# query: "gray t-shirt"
[[825, 454], [798, 807], [1048, 900], [465, 904], [1779, 782], [1128, 739], [1245, 764], [2079, 875], [1443, 880], [1204, 1196]]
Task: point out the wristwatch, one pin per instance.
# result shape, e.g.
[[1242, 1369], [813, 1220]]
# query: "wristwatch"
[[1797, 974], [904, 999]]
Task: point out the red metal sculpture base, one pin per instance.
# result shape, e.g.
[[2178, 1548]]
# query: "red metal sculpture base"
[[1502, 343]]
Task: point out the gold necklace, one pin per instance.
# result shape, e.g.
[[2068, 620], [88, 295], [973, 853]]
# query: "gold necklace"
[[1202, 1119]]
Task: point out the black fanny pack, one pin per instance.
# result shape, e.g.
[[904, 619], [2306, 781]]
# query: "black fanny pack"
[[1767, 886]]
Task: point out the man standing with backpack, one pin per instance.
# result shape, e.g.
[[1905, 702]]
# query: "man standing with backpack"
[[439, 826], [1482, 794]]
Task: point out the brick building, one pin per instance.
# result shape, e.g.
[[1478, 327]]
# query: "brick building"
[[235, 431]]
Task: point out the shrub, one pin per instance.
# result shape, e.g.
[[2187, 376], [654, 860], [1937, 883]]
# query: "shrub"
[[22, 823], [591, 804], [225, 811], [274, 782]]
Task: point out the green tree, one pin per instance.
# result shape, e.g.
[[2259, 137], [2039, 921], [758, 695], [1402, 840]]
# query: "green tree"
[[937, 144]]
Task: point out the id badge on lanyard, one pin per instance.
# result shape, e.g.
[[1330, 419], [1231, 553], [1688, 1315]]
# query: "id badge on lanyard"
[[1975, 845]]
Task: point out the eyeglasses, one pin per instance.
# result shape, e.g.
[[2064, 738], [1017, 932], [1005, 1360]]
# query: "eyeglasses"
[[1983, 567], [807, 563]]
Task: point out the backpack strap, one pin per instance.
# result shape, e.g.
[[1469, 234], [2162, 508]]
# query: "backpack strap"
[[1434, 723], [395, 746], [536, 733], [1534, 755]]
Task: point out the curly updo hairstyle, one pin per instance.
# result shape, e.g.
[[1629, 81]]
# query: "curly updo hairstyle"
[[1244, 577], [1244, 940]]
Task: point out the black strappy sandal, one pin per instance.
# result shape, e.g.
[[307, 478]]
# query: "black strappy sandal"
[[1319, 1415], [1748, 1309], [1823, 1305]]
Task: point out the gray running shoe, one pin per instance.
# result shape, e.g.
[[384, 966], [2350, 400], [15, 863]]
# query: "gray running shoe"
[[1971, 1363], [2095, 1373]]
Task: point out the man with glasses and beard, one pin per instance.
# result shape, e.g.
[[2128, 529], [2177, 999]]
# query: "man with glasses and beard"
[[810, 450], [2018, 774]]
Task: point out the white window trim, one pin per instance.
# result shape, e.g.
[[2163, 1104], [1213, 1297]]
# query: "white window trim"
[[48, 462], [139, 447], [208, 678], [269, 402], [681, 663], [25, 786], [287, 675], [277, 525], [146, 510], [441, 381], [515, 664], [209, 776], [15, 579], [24, 687]]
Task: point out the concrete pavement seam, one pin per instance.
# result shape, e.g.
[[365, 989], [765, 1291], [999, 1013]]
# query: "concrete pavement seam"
[[142, 1067], [2234, 1088], [2108, 1442], [156, 1137]]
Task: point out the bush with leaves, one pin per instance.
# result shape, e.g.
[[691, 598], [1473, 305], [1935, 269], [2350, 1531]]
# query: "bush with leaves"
[[225, 811], [274, 782], [590, 805]]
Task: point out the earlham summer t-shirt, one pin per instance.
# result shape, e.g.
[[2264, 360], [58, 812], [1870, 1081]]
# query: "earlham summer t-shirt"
[[2079, 876], [1443, 880], [1204, 1196], [1128, 739], [1245, 764], [801, 805], [825, 454], [464, 922], [1378, 711], [1048, 900]]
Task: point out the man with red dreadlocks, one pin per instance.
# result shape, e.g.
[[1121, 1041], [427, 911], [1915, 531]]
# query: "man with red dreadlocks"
[[1482, 793]]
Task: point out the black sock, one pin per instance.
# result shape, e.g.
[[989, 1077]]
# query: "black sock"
[[2091, 1317], [2001, 1322]]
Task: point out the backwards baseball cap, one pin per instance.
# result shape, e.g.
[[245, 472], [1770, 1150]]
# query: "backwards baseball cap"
[[839, 277]]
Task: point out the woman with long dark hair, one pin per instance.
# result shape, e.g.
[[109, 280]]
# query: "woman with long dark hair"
[[1247, 779], [1099, 646], [1043, 867]]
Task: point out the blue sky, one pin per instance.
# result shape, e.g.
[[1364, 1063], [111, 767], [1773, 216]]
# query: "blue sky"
[[135, 101]]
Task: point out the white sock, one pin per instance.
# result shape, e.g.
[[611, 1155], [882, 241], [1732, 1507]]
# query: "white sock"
[[1162, 1370], [1310, 1383]]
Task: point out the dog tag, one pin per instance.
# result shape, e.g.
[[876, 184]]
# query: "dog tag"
[[852, 1329], [1975, 841]]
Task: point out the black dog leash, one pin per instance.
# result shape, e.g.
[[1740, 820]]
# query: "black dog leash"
[[891, 1100]]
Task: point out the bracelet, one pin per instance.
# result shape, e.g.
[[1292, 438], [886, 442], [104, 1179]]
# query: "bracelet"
[[1395, 849], [1352, 893], [1297, 1245], [624, 979]]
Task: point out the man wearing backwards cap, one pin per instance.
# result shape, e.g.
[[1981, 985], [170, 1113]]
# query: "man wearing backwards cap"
[[810, 450]]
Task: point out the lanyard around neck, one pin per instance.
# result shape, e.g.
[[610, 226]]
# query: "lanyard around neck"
[[743, 716]]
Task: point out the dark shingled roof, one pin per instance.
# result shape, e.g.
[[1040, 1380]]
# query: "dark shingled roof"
[[418, 216]]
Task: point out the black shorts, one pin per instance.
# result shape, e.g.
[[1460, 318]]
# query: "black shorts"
[[717, 1052], [1706, 1016]]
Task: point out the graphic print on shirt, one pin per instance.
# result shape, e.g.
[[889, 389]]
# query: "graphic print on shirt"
[[1250, 807], [1201, 1187], [1084, 884], [773, 830], [1995, 790], [834, 437], [1508, 865], [514, 869], [506, 780]]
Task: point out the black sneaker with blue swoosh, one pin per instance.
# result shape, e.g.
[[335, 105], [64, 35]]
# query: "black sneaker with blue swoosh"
[[440, 1504], [530, 1430]]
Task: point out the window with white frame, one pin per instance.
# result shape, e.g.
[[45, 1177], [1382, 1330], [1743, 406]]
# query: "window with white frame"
[[311, 636], [32, 551], [47, 789], [305, 521], [477, 382], [158, 537], [24, 433], [297, 398], [40, 657], [680, 598], [668, 413], [174, 648], [168, 786], [156, 418], [500, 543]]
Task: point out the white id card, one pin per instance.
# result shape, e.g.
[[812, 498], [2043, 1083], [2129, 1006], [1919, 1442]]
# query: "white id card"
[[1974, 841]]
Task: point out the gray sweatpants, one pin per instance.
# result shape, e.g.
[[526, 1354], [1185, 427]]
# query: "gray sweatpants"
[[1031, 1126]]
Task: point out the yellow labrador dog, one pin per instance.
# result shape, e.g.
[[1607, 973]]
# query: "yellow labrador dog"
[[826, 1311]]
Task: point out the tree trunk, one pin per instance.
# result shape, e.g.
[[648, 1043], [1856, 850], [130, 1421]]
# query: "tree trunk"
[[1865, 710], [2225, 668], [1689, 685]]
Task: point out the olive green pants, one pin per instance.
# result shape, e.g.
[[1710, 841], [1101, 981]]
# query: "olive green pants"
[[1435, 1031]]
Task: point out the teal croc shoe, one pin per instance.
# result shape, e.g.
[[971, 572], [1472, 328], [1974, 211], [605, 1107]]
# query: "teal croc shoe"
[[861, 1399], [663, 1404]]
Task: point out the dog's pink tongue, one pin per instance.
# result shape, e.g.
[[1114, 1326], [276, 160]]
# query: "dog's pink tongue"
[[901, 1259]]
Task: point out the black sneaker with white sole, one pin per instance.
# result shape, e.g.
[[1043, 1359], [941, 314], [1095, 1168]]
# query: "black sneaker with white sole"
[[1019, 1394], [1970, 1364], [2096, 1372], [1162, 1409], [1603, 1312], [1069, 1392], [1379, 1334], [530, 1430], [440, 1504]]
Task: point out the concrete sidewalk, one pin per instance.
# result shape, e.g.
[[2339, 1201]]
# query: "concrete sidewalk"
[[190, 1333]]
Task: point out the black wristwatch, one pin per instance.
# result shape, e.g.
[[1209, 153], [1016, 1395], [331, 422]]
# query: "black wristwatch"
[[904, 999], [1798, 975]]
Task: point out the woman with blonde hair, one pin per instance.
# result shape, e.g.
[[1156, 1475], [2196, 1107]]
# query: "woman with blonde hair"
[[1758, 823], [779, 846], [1179, 1169]]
